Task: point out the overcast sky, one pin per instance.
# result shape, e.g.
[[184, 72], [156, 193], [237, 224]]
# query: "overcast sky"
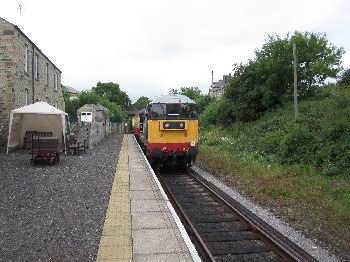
[[152, 46]]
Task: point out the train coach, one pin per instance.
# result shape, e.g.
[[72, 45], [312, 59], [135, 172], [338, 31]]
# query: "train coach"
[[138, 121], [170, 131]]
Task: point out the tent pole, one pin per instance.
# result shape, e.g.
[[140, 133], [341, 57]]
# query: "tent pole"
[[9, 134]]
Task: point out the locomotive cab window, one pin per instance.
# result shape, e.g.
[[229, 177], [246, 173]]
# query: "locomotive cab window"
[[173, 111], [181, 111], [157, 111]]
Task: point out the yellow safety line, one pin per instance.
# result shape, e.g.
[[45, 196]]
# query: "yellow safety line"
[[115, 243]]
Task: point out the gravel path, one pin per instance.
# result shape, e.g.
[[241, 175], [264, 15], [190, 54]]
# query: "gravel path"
[[55, 213]]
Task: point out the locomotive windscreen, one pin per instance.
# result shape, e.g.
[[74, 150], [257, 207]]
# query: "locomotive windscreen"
[[173, 111]]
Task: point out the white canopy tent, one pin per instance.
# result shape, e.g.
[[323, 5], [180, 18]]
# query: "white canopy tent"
[[40, 117]]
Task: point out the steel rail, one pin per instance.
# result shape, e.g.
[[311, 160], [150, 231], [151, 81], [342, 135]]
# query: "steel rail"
[[288, 247], [183, 214]]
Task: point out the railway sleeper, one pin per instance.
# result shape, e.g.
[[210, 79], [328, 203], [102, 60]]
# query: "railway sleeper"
[[238, 247], [229, 236], [260, 257], [213, 219], [219, 227]]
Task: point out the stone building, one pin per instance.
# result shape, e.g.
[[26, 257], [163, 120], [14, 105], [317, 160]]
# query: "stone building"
[[217, 88], [27, 75]]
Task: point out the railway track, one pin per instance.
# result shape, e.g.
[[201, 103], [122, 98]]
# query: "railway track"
[[221, 228]]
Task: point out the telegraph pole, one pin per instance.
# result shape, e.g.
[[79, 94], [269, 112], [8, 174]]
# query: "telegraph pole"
[[295, 82]]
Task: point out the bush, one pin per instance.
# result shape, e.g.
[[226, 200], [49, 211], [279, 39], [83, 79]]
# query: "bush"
[[320, 137], [269, 143], [210, 114], [203, 101], [298, 145]]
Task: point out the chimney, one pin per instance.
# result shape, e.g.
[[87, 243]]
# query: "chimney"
[[212, 76]]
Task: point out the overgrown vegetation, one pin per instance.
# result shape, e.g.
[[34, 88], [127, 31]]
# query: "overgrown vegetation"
[[107, 94], [256, 111], [266, 81], [321, 136]]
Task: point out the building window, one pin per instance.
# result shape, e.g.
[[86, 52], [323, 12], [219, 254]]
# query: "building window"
[[26, 96], [26, 57], [36, 66], [55, 81], [47, 73]]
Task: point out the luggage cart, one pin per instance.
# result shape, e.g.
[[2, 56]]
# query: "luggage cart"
[[45, 148]]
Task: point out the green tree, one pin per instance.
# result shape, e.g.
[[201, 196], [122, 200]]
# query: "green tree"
[[141, 102], [191, 92], [203, 101], [265, 81], [71, 105], [344, 78], [113, 93]]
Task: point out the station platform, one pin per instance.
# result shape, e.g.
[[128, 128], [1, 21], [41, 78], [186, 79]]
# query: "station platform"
[[140, 223]]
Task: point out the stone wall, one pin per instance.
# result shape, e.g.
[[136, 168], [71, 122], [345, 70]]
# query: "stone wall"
[[7, 79], [99, 128], [19, 85]]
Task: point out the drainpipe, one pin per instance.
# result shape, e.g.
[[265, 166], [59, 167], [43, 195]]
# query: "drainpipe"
[[33, 86]]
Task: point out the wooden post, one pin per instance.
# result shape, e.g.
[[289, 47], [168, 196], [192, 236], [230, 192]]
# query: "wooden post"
[[295, 82]]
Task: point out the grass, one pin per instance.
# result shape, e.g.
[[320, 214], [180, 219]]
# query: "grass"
[[317, 204]]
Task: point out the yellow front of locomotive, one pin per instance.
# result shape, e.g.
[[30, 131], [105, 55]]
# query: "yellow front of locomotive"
[[173, 131]]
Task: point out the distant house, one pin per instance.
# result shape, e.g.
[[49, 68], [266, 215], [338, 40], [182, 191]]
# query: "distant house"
[[27, 75], [73, 93], [217, 88]]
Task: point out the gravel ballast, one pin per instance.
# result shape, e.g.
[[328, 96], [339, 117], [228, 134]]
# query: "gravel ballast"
[[297, 237], [55, 213]]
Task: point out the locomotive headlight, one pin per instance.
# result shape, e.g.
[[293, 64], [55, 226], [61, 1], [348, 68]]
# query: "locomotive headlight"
[[166, 125], [193, 143], [181, 125]]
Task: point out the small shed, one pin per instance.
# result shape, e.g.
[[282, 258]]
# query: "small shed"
[[40, 117], [94, 123]]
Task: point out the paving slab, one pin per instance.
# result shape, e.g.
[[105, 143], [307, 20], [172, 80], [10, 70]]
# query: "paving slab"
[[147, 205], [140, 223], [157, 240], [145, 195], [182, 257], [155, 234], [151, 220]]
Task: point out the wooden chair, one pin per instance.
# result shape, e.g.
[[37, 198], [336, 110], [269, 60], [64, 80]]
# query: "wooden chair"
[[75, 146]]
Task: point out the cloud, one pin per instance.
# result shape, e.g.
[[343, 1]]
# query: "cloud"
[[149, 47]]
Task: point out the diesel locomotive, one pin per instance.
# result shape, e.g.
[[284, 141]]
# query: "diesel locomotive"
[[169, 133]]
